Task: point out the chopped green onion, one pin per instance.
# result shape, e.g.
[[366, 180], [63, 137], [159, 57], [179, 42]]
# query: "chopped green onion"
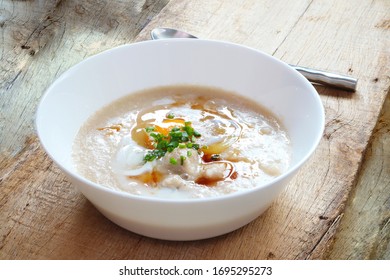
[[197, 134], [189, 145], [149, 129], [182, 137], [182, 145], [172, 161]]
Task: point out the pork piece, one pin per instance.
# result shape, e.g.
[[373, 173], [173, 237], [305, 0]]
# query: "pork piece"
[[183, 162], [214, 171]]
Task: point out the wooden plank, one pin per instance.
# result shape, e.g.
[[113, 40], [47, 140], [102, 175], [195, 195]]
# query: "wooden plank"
[[367, 214], [25, 29], [44, 217]]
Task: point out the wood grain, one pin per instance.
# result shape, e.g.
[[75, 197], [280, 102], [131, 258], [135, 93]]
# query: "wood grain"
[[43, 217], [367, 213]]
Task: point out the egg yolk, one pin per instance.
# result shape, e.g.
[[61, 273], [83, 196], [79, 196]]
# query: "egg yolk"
[[166, 125]]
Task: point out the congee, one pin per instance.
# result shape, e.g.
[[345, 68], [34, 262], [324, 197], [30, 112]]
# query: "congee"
[[182, 142]]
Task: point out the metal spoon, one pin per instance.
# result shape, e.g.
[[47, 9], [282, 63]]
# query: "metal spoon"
[[315, 76]]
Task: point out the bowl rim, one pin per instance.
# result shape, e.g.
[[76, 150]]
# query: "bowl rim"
[[245, 192]]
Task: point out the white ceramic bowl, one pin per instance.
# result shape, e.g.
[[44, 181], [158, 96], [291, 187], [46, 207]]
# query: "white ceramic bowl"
[[103, 78]]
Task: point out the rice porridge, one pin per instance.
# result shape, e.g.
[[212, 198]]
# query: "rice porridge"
[[182, 142]]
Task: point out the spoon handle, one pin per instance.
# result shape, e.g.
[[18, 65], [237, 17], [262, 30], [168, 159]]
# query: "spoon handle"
[[328, 79]]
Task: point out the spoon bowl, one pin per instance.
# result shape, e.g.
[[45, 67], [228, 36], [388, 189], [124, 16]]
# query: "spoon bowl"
[[168, 33]]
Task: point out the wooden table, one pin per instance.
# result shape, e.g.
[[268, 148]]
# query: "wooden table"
[[337, 207]]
